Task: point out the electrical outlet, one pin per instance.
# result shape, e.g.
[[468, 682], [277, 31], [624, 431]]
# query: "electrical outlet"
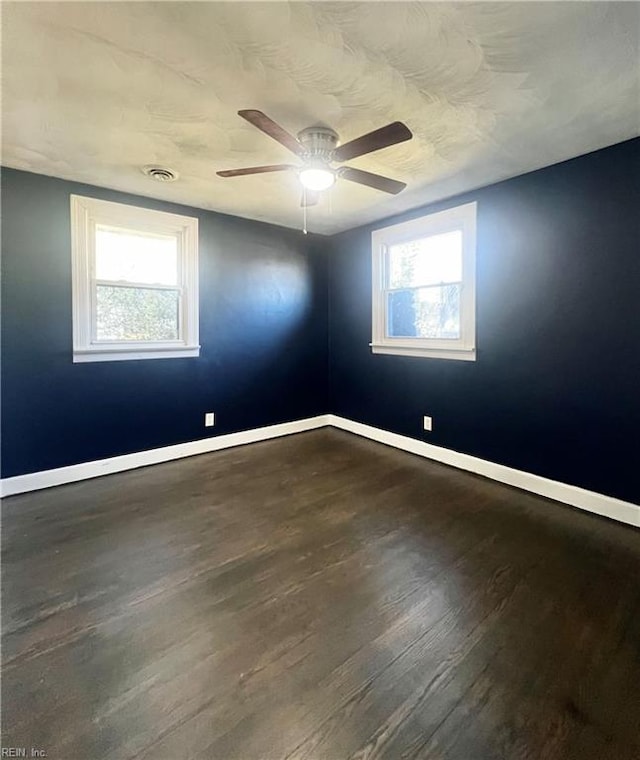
[[427, 423], [209, 419]]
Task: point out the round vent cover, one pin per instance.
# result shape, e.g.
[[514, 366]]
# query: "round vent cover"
[[160, 173]]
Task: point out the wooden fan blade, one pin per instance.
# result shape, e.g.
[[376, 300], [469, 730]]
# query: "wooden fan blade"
[[392, 134], [269, 127], [255, 170], [376, 181], [309, 198]]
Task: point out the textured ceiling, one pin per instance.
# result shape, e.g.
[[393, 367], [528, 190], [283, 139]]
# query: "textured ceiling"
[[93, 91]]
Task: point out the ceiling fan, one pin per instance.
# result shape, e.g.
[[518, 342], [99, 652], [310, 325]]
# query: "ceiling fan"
[[316, 146]]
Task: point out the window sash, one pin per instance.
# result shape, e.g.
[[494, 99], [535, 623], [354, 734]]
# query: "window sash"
[[462, 219], [425, 287], [444, 341], [95, 282], [89, 213], [413, 239], [137, 286], [113, 227]]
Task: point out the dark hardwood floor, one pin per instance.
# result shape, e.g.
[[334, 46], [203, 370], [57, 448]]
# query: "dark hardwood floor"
[[318, 596]]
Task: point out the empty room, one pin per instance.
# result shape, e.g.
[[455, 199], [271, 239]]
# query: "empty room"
[[320, 380]]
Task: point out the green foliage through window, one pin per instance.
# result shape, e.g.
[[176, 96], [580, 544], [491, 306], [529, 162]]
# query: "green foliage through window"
[[145, 314]]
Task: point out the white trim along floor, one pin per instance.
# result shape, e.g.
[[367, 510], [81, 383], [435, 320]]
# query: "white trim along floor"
[[589, 501]]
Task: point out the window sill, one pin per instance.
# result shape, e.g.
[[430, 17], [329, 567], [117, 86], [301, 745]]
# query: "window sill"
[[130, 354], [458, 354]]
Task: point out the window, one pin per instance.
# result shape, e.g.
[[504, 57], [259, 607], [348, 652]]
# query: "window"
[[135, 282], [424, 286]]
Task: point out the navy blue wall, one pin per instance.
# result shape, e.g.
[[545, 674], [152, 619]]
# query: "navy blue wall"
[[263, 331], [555, 389]]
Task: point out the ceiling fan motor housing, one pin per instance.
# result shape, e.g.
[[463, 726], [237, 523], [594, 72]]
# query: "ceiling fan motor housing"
[[318, 143]]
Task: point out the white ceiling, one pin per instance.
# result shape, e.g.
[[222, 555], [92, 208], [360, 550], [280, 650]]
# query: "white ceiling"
[[93, 91]]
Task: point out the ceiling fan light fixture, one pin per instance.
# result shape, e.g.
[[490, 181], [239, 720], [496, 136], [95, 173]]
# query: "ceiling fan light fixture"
[[317, 179]]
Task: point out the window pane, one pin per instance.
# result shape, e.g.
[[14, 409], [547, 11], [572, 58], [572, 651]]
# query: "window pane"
[[425, 313], [428, 261], [125, 255], [136, 314]]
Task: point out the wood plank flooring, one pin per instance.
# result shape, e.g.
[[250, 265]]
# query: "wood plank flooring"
[[316, 597]]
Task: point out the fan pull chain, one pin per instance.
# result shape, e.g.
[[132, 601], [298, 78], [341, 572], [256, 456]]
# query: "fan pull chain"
[[304, 210]]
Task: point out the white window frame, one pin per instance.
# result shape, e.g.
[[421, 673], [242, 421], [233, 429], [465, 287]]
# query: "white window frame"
[[86, 214], [461, 218]]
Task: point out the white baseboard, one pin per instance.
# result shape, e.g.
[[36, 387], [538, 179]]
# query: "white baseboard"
[[590, 501], [46, 478]]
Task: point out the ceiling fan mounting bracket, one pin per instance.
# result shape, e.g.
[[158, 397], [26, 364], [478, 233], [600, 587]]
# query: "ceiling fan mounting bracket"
[[318, 142]]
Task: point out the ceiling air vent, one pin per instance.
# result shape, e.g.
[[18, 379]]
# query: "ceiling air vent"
[[160, 173]]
